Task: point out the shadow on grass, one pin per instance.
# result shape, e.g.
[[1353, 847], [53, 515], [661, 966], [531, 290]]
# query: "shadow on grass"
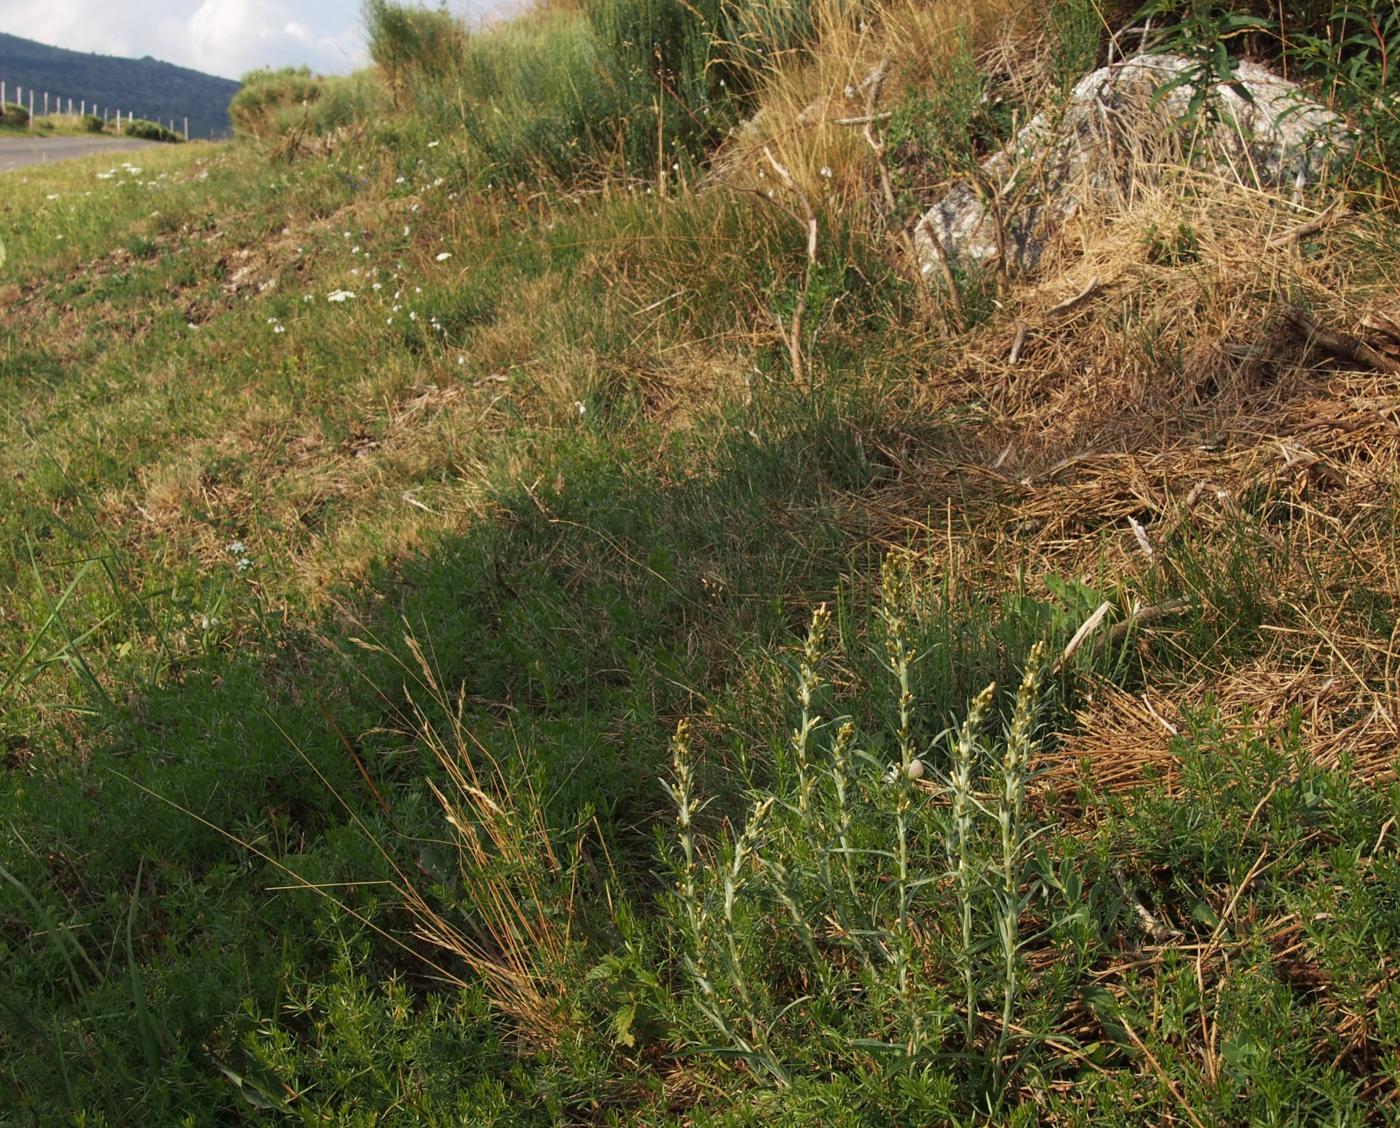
[[581, 620]]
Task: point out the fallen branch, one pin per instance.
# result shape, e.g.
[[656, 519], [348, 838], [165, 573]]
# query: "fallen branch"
[[1142, 615], [1022, 329], [863, 119], [1342, 345], [1119, 631], [1069, 303], [1312, 227]]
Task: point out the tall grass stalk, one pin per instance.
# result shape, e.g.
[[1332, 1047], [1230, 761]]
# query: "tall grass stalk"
[[895, 597], [960, 847], [1010, 815], [807, 684]]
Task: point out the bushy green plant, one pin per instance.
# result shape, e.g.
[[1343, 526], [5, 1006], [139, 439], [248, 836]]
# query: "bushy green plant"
[[687, 70], [13, 115], [417, 49], [1354, 61], [649, 82], [1343, 49], [257, 107], [869, 904], [150, 131]]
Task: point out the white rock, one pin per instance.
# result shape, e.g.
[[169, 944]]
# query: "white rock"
[[1111, 136]]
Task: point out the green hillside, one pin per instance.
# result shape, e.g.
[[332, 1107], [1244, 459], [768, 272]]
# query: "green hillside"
[[151, 89], [523, 603]]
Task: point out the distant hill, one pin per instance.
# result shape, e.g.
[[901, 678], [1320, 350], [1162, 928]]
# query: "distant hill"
[[152, 89]]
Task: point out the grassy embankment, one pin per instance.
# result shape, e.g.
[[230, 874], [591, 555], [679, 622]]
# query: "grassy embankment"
[[416, 706], [14, 122]]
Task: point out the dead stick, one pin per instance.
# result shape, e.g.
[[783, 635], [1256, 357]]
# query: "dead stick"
[[863, 119], [1020, 342], [1340, 344], [1312, 227], [1069, 303]]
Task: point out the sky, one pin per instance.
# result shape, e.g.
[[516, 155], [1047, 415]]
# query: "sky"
[[223, 37]]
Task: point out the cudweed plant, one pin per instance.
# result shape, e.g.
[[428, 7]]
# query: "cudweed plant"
[[859, 898]]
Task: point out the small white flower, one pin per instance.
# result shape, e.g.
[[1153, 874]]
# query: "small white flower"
[[444, 256], [340, 296], [461, 360], [580, 406], [434, 144], [51, 196], [398, 180], [826, 172]]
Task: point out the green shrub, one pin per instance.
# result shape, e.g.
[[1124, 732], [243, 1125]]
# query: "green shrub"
[[265, 94], [271, 103], [150, 131], [687, 70], [1343, 49], [13, 115], [415, 48], [91, 123], [345, 101], [644, 81], [873, 866]]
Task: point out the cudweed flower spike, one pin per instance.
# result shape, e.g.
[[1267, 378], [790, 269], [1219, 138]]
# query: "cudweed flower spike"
[[807, 683], [1010, 818], [958, 841]]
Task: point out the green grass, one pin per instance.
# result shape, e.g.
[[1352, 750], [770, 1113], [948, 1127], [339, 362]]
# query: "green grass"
[[415, 705]]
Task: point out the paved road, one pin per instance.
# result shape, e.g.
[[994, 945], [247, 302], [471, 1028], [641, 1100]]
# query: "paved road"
[[20, 152]]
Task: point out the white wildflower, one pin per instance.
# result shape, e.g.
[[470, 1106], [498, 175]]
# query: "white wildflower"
[[340, 296]]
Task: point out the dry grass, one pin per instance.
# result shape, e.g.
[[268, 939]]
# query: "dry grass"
[[511, 921], [1180, 396]]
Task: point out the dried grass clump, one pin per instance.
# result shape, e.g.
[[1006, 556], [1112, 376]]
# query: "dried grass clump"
[[514, 899], [1211, 363]]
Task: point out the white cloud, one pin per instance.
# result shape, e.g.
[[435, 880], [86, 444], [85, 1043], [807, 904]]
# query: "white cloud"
[[234, 36], [225, 37]]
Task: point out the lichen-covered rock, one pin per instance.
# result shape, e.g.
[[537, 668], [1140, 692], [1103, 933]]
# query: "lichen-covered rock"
[[1115, 134]]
